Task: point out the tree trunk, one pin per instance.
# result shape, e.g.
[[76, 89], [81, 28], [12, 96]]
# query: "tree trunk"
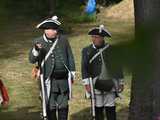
[[145, 91]]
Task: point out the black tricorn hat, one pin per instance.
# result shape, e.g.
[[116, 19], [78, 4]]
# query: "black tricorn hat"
[[50, 23], [101, 31]]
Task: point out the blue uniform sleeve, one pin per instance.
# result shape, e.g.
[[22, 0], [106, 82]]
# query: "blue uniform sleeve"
[[85, 64]]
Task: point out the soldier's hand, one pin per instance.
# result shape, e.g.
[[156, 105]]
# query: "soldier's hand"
[[38, 46], [121, 88], [88, 88]]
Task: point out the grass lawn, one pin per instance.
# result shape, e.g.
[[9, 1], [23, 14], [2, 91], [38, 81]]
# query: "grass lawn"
[[16, 40]]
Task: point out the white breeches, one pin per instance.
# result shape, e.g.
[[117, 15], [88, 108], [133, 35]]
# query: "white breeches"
[[105, 99]]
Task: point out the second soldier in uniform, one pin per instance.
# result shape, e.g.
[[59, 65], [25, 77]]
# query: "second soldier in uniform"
[[97, 65]]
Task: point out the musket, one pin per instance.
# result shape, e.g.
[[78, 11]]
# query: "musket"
[[92, 98], [45, 84], [43, 95], [45, 91]]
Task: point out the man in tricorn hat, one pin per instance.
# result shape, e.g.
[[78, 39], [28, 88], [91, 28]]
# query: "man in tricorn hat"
[[53, 49], [107, 78]]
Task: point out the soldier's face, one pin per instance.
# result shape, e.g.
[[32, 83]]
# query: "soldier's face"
[[97, 40], [50, 33]]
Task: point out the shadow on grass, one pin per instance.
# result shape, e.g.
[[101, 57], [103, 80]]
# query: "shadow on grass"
[[122, 114], [20, 114], [16, 39], [85, 114], [108, 2]]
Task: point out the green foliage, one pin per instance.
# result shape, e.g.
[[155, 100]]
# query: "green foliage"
[[73, 11], [85, 18], [23, 7], [108, 2], [70, 10]]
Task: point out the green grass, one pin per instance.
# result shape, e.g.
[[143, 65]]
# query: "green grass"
[[16, 40]]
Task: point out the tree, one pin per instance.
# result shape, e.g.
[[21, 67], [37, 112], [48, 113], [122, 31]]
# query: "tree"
[[51, 6], [145, 90]]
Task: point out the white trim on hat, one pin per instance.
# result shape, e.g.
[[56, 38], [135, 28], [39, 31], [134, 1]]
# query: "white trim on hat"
[[54, 19], [101, 28], [107, 31]]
